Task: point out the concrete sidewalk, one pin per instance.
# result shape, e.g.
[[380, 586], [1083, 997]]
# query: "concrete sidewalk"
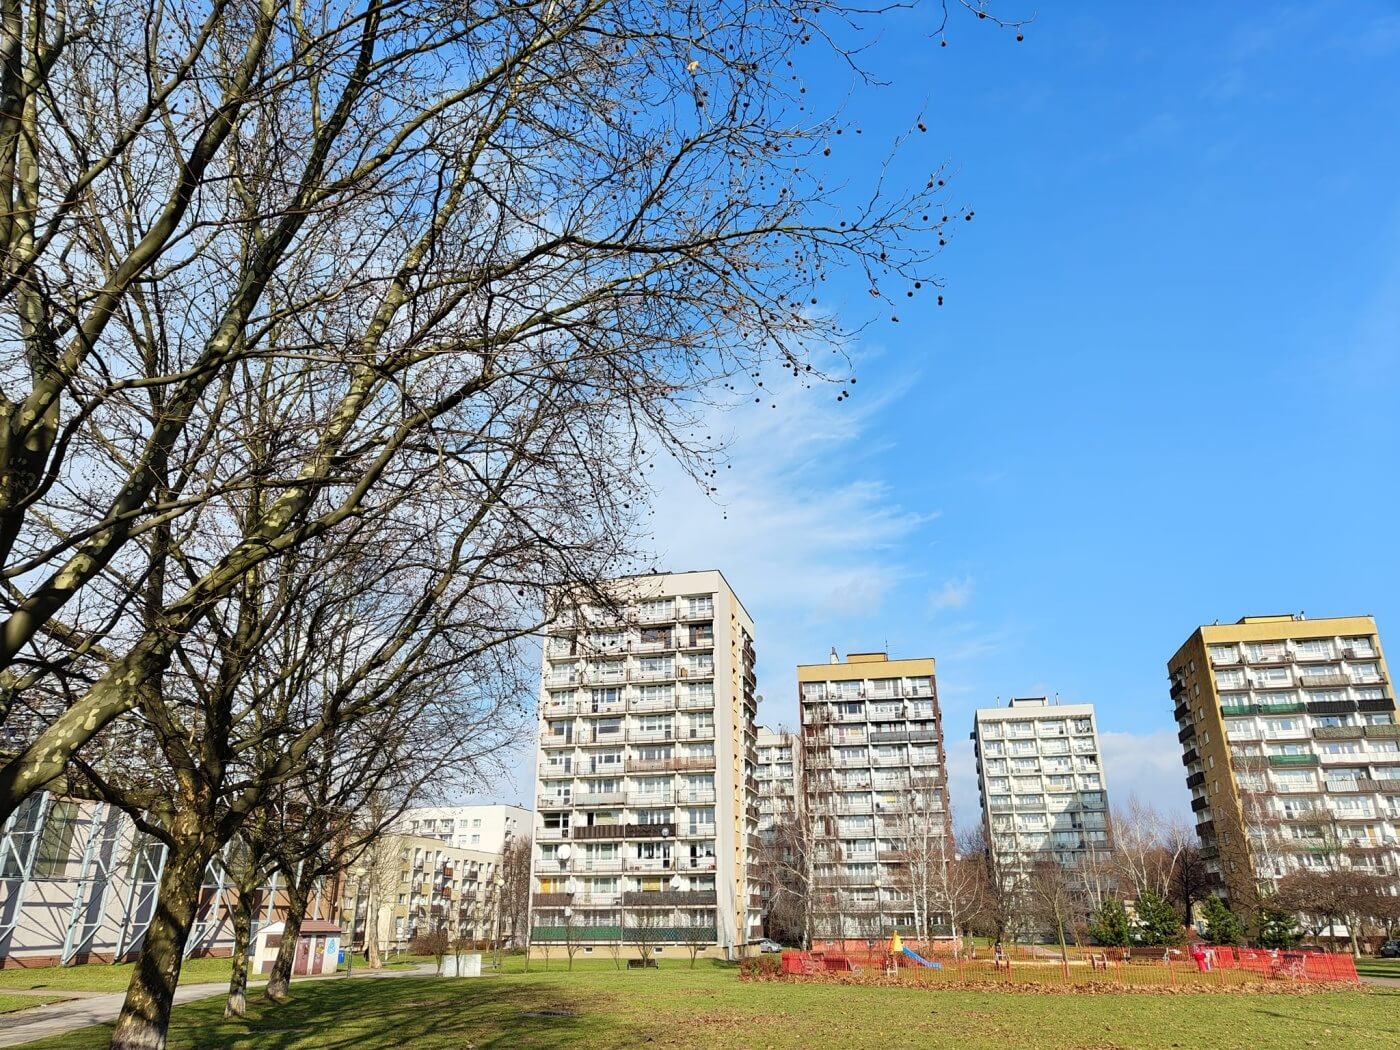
[[89, 1008]]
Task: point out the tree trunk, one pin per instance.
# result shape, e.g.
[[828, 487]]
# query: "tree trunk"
[[372, 955], [145, 1015], [298, 895], [237, 1004]]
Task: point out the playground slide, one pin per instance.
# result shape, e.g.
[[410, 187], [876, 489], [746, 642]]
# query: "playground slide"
[[920, 959]]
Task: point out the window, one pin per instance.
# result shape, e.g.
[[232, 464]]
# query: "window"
[[1223, 654], [1230, 679], [1315, 649], [476, 840], [56, 840]]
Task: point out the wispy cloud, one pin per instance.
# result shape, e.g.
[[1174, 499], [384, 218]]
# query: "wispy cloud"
[[954, 594], [1146, 766], [809, 535]]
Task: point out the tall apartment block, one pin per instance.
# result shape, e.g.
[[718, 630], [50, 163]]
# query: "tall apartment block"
[[1041, 779], [874, 782], [1292, 752], [647, 814]]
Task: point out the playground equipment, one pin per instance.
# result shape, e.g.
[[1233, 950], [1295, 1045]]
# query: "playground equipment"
[[898, 947]]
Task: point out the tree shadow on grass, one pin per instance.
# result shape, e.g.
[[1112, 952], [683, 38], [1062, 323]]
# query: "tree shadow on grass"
[[409, 1012], [1387, 1014]]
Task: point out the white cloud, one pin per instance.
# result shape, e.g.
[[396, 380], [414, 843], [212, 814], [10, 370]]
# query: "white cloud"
[[1147, 766], [954, 594], [807, 535]]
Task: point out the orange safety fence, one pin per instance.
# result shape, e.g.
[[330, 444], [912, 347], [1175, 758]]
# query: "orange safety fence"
[[1206, 967]]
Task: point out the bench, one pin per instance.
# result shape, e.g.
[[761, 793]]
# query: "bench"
[[641, 964]]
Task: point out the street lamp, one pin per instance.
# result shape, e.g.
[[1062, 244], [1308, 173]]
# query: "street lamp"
[[359, 874], [500, 885]]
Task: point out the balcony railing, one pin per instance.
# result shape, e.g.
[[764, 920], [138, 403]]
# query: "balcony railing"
[[669, 898], [601, 798], [1293, 760], [552, 802]]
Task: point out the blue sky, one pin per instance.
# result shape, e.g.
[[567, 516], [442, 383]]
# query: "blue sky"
[[1163, 389]]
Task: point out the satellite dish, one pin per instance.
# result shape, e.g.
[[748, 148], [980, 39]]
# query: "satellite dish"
[[564, 851], [677, 882], [571, 885], [568, 912], [665, 833]]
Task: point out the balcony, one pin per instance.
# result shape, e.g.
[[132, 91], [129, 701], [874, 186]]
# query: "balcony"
[[551, 834], [653, 704], [651, 736], [1181, 711], [1312, 681], [1195, 780], [597, 865], [1186, 734], [552, 900], [1293, 760], [598, 831], [552, 802], [593, 738], [655, 674], [697, 831], [1376, 704], [651, 799], [1190, 755], [695, 615], [697, 703], [1389, 732], [1338, 732], [696, 863], [1199, 804], [600, 798], [669, 899], [1365, 784], [552, 740], [695, 797]]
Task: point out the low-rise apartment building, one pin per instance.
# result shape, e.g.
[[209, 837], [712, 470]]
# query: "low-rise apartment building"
[[484, 827], [79, 883]]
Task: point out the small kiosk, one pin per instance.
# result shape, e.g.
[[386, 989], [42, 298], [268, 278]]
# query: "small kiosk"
[[318, 947]]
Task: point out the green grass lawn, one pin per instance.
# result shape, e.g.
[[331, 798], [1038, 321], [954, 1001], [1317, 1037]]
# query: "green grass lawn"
[[682, 1009], [1369, 967], [97, 977], [10, 1003]]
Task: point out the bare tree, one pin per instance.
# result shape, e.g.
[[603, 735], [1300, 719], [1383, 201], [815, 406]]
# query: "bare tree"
[[570, 928], [514, 895], [1145, 848], [1051, 901], [587, 210], [927, 860]]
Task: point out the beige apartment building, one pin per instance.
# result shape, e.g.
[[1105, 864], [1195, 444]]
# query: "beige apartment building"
[[409, 885], [1292, 752], [876, 793], [647, 811]]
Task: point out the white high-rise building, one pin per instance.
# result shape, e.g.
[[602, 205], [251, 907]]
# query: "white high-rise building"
[[647, 817], [486, 828], [1040, 773]]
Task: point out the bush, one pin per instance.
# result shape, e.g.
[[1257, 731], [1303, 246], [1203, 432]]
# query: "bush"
[[434, 943], [1277, 929], [761, 966], [1221, 925], [1158, 922], [1110, 926]]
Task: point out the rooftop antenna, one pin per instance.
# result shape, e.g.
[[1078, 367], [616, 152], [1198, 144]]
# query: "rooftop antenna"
[[834, 658], [1057, 698]]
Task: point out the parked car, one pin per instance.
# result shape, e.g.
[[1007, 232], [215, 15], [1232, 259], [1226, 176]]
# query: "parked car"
[[766, 946], [1390, 950]]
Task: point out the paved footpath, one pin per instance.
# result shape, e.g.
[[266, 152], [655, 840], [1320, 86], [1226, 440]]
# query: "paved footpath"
[[83, 1009]]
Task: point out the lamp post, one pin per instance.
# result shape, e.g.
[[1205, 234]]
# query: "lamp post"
[[500, 885], [359, 874]]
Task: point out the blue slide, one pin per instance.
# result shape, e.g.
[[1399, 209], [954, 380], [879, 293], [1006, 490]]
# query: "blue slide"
[[921, 960]]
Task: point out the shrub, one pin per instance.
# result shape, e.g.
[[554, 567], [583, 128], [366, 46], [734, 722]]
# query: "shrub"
[[1221, 925], [1110, 926], [761, 966]]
